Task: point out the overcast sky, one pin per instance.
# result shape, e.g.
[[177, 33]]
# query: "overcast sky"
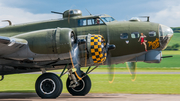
[[165, 12]]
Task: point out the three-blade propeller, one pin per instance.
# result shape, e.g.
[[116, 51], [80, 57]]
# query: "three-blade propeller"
[[103, 54], [98, 49]]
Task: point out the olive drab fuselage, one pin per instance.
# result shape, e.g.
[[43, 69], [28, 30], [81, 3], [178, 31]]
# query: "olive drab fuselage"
[[49, 44], [77, 41], [43, 37], [115, 28]]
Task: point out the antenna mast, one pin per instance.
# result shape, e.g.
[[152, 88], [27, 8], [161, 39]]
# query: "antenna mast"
[[89, 12]]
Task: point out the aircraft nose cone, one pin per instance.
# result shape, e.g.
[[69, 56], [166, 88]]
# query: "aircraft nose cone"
[[165, 34]]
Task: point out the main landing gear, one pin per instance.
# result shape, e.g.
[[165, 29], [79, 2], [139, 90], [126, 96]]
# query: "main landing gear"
[[49, 85], [80, 88]]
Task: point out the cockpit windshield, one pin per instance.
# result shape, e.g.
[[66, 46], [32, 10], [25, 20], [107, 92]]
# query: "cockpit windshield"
[[107, 19]]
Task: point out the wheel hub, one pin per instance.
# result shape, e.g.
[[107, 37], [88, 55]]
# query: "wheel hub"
[[80, 87], [47, 86]]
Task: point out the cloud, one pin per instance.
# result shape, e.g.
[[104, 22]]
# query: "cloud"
[[18, 15], [169, 16], [161, 11]]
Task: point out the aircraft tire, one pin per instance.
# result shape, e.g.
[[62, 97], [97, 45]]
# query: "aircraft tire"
[[48, 85], [82, 89]]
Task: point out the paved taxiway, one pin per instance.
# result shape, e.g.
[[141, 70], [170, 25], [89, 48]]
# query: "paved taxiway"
[[90, 97]]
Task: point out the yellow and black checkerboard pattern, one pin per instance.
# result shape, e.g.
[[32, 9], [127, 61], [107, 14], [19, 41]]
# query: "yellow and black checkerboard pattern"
[[98, 54]]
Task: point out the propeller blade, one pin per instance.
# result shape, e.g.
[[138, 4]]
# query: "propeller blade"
[[132, 69], [111, 68], [75, 65], [74, 55]]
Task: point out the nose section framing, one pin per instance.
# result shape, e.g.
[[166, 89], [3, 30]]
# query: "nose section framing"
[[165, 35]]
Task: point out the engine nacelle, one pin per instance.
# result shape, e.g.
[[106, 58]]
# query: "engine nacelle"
[[97, 48], [50, 41]]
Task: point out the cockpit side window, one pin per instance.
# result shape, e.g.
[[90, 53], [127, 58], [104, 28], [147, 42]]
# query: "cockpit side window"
[[90, 21], [152, 33], [97, 21], [100, 21], [82, 22], [107, 19]]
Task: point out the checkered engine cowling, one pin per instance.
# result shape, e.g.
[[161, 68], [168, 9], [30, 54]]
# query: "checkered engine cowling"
[[98, 50]]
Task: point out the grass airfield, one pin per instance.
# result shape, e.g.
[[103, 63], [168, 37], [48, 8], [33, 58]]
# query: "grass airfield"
[[144, 84]]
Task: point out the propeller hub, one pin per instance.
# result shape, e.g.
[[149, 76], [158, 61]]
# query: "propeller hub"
[[111, 47]]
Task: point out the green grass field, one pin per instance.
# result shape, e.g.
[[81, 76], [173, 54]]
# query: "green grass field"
[[175, 39], [172, 63], [164, 53], [145, 83], [166, 63]]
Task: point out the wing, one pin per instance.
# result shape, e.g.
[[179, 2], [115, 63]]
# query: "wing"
[[9, 45]]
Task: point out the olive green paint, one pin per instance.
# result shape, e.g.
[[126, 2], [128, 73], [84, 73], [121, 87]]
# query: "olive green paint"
[[48, 41]]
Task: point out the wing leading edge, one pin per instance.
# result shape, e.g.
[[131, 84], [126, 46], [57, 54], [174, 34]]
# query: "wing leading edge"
[[9, 45]]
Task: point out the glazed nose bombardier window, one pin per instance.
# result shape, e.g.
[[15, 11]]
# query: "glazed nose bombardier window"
[[166, 30], [135, 35], [124, 35]]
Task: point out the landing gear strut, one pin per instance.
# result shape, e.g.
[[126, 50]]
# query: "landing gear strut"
[[49, 85], [2, 77], [78, 87]]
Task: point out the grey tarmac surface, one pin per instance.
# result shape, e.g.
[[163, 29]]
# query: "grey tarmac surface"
[[90, 97]]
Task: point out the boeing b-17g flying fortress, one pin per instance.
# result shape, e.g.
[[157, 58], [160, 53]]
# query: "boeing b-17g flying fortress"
[[77, 41]]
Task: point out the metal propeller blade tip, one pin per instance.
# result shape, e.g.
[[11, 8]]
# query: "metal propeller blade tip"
[[75, 67], [132, 69], [111, 74], [74, 56], [111, 68]]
